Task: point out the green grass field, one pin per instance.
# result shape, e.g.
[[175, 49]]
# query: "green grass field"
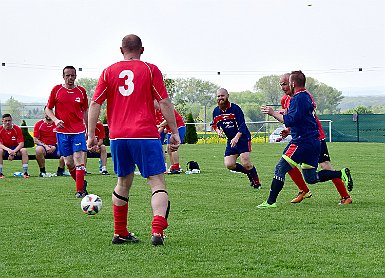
[[215, 228]]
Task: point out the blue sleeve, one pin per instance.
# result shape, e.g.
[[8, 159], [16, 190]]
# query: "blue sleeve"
[[298, 110], [240, 119]]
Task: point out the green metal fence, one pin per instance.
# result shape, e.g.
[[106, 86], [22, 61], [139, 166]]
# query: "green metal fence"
[[356, 127]]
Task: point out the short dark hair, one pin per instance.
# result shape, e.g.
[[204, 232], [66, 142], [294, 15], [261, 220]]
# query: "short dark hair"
[[69, 67], [298, 77], [131, 43], [6, 115]]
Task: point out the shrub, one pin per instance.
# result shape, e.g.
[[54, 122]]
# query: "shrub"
[[28, 140], [191, 131]]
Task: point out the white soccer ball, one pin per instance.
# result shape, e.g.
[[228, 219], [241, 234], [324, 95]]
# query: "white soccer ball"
[[91, 204]]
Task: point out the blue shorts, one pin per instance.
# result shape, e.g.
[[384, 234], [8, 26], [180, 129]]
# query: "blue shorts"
[[162, 137], [55, 154], [17, 157], [305, 153], [147, 154], [68, 144], [243, 146], [182, 133]]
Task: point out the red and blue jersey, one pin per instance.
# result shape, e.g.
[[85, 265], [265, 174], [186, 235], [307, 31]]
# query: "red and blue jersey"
[[300, 117], [231, 121], [70, 106], [285, 103], [130, 87]]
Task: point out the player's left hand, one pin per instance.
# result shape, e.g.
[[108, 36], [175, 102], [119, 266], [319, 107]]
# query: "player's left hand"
[[233, 142]]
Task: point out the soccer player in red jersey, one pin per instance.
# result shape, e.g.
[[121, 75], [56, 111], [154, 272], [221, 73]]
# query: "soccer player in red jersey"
[[99, 150], [130, 87], [12, 144], [44, 136], [71, 105]]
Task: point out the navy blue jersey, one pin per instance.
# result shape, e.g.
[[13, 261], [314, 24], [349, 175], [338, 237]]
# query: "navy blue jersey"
[[231, 121], [300, 117]]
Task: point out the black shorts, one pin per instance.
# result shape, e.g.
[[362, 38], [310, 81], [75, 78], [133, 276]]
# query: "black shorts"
[[324, 154]]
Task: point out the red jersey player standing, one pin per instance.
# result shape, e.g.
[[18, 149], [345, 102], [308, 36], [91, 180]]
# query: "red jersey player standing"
[[130, 87], [71, 104], [12, 144]]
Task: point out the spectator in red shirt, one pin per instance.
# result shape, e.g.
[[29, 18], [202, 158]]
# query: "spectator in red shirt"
[[12, 144]]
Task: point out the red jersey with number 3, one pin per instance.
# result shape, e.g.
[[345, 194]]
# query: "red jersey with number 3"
[[45, 132], [130, 88], [12, 137], [70, 106], [285, 103]]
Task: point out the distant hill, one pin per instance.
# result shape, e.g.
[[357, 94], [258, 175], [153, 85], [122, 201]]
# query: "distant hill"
[[368, 101]]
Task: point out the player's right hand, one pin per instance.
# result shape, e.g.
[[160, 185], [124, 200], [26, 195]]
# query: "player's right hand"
[[174, 142]]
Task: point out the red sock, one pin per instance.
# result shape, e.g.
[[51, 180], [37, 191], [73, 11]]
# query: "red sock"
[[120, 219], [175, 166], [79, 177], [159, 223], [340, 187], [296, 176], [73, 173]]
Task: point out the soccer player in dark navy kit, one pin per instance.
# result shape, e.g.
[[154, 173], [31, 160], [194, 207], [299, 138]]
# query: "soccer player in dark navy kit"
[[228, 119], [305, 147]]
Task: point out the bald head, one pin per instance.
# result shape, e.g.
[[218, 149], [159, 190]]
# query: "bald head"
[[222, 91], [284, 83], [131, 44]]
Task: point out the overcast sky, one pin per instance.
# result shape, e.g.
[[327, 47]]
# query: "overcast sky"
[[243, 39]]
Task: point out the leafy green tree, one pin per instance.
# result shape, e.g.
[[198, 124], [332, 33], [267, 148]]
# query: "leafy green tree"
[[359, 110], [269, 87], [191, 93], [89, 84], [191, 136], [15, 108], [28, 140]]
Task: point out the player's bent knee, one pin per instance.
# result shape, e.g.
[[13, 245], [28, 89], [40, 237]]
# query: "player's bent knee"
[[282, 168], [310, 175]]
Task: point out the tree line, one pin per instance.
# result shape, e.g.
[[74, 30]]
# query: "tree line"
[[198, 97]]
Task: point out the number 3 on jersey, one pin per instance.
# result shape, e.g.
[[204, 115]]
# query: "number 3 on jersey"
[[128, 76]]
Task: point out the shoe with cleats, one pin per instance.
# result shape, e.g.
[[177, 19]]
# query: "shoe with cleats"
[[346, 201], [301, 196], [84, 192], [26, 175], [117, 239], [157, 239], [265, 204], [104, 173], [2, 176], [347, 178]]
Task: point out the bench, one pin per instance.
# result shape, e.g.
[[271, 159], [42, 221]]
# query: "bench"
[[33, 156]]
